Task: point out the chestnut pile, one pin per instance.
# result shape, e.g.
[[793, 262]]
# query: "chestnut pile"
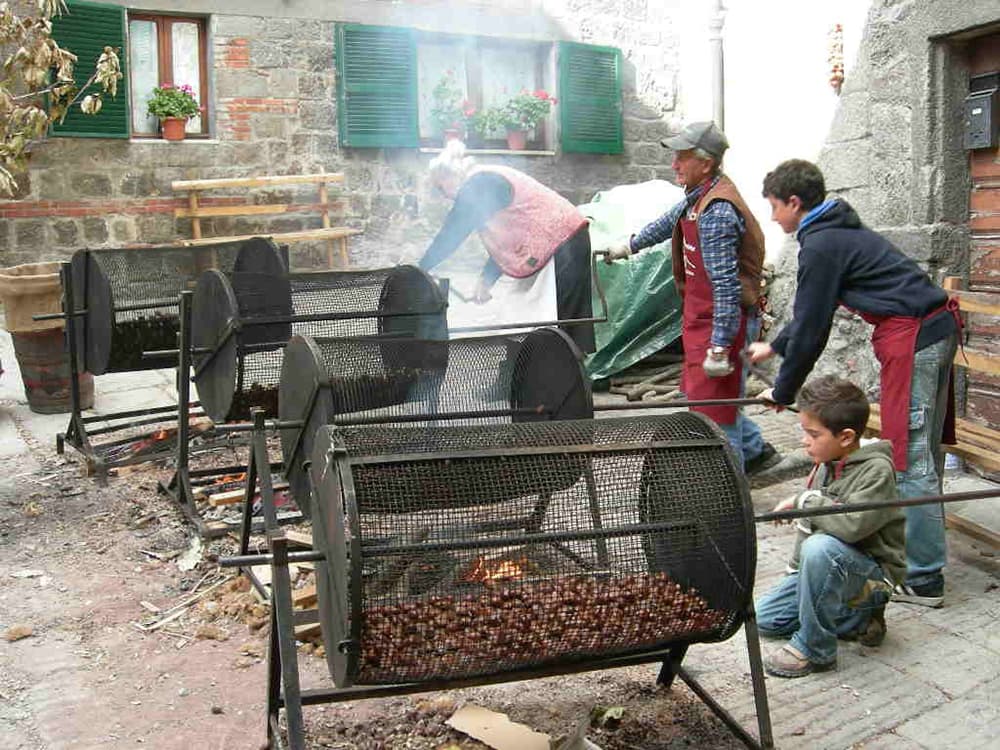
[[514, 625], [257, 395]]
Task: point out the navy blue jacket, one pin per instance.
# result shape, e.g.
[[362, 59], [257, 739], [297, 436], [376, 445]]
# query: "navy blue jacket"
[[841, 261]]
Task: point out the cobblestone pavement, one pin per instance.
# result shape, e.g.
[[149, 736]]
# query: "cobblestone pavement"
[[931, 685]]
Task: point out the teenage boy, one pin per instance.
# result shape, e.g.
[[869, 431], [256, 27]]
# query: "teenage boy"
[[717, 253], [837, 580], [842, 262]]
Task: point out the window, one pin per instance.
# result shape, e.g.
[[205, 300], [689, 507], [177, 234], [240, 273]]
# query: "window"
[[488, 72], [386, 76], [156, 49], [166, 49]]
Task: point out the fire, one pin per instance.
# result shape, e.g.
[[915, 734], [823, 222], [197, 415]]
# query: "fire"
[[230, 478], [159, 435], [485, 571]]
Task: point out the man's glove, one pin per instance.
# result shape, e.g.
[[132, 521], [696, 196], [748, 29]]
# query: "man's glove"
[[618, 252], [717, 364]]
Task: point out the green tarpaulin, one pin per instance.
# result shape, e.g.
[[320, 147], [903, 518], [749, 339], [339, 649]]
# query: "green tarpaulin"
[[644, 309]]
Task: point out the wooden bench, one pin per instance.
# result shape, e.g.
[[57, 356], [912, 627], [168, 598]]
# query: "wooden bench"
[[978, 444], [200, 207]]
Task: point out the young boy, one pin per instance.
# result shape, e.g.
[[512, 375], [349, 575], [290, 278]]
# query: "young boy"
[[837, 581], [843, 262]]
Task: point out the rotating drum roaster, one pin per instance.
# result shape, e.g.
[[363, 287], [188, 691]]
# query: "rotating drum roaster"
[[242, 321], [424, 580], [523, 377], [130, 297]]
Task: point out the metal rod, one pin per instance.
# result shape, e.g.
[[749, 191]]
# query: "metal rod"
[[734, 726], [60, 316], [319, 317], [133, 423], [830, 510], [388, 419], [145, 306], [270, 424], [196, 350], [527, 324], [240, 561], [682, 403], [134, 413]]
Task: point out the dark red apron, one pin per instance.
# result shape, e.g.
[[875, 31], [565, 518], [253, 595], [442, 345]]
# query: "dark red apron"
[[895, 341], [697, 334]]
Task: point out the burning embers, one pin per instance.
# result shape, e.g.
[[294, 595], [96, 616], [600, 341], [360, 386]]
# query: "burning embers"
[[507, 625]]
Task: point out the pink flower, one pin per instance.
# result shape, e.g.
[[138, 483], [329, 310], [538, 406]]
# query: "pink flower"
[[541, 94]]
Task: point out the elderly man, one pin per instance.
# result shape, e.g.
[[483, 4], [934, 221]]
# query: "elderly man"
[[718, 249]]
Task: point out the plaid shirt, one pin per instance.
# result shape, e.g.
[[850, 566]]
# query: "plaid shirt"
[[720, 229]]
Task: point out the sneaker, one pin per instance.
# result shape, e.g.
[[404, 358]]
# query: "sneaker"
[[766, 459], [788, 662], [930, 595]]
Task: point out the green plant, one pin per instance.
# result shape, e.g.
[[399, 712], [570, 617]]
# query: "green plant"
[[36, 87], [488, 121], [448, 110], [173, 101], [526, 109]]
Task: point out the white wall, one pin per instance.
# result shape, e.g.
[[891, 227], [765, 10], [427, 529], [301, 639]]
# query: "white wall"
[[778, 103]]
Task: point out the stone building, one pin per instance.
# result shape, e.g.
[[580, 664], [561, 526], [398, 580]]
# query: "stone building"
[[890, 139]]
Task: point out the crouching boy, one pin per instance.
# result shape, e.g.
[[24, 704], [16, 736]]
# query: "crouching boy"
[[839, 573]]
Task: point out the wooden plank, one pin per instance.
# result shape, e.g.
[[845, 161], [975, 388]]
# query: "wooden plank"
[[971, 528], [976, 361], [229, 497], [305, 631], [980, 456], [258, 209], [309, 234], [978, 302], [299, 538], [304, 597], [238, 182]]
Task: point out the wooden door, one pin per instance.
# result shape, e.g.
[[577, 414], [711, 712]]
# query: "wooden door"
[[983, 389]]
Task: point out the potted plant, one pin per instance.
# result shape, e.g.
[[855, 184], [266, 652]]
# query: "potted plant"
[[174, 105], [522, 113], [449, 109]]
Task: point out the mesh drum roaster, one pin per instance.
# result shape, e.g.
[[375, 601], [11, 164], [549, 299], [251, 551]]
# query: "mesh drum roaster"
[[124, 302], [431, 574], [130, 297], [523, 377], [241, 323]]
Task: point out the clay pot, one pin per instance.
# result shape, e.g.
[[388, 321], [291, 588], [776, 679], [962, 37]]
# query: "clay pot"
[[173, 128], [517, 140]]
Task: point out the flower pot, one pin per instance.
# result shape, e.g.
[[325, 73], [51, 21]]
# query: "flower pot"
[[452, 134], [39, 345], [173, 128], [517, 140]]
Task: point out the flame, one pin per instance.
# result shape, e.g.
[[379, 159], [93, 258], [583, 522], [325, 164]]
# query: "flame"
[[231, 478], [483, 571], [159, 435]]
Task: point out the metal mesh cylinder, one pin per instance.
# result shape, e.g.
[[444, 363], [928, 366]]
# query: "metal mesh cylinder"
[[242, 321], [528, 376], [131, 297], [458, 552]]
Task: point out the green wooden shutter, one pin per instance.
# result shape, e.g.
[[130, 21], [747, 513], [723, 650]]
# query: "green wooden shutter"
[[85, 29], [590, 98], [376, 86]]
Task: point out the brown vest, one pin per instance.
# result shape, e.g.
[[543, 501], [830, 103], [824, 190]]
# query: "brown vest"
[[751, 251]]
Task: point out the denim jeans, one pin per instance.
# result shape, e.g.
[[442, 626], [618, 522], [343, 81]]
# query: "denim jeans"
[[926, 551], [811, 605], [744, 435]]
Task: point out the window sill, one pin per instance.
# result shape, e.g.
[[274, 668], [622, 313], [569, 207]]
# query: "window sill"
[[209, 141], [493, 151]]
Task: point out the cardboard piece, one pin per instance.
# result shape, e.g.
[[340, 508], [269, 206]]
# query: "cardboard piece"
[[496, 730]]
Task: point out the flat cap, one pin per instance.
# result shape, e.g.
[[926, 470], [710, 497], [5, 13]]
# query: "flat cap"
[[703, 135]]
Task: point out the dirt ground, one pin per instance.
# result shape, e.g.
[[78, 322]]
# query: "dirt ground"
[[84, 569]]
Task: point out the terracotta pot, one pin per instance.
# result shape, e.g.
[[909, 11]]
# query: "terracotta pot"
[[517, 140], [173, 128], [453, 134]]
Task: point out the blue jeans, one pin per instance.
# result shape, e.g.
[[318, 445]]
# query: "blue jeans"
[[811, 605], [744, 435], [926, 551]]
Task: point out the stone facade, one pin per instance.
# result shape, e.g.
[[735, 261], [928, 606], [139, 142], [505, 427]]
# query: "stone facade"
[[274, 112], [894, 152]]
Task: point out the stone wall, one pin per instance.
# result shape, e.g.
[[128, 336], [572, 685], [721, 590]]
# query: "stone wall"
[[894, 153], [274, 112]]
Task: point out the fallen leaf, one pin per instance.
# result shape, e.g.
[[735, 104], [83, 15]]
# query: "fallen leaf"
[[606, 716], [18, 632]]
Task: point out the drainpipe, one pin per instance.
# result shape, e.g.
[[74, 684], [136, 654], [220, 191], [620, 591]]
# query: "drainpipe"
[[715, 23]]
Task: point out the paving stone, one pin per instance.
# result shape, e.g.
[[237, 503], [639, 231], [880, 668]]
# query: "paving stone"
[[969, 722]]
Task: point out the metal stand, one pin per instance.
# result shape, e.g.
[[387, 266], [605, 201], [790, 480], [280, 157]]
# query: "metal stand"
[[77, 435], [284, 689]]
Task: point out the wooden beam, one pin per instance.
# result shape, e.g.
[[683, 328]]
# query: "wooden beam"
[[237, 182], [308, 234], [977, 361], [971, 528]]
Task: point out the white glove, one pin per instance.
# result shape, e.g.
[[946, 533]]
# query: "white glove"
[[618, 252], [717, 364]]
